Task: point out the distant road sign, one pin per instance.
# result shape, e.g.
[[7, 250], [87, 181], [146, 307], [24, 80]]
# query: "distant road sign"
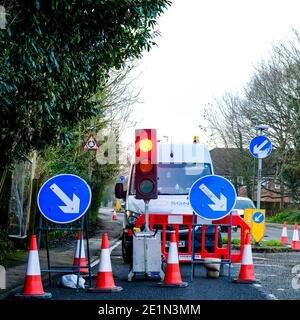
[[258, 217], [212, 197], [256, 220], [90, 143], [64, 198], [260, 147], [122, 179]]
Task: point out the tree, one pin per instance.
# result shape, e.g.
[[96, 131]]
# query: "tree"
[[55, 55], [225, 123], [116, 100], [272, 97]]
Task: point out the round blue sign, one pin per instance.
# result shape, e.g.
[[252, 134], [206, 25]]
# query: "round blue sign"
[[260, 147], [258, 217], [212, 197], [64, 198]]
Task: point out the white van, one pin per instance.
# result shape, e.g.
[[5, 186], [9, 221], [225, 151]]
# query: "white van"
[[179, 166]]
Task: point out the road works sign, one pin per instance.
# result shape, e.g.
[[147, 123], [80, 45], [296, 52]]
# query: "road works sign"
[[212, 197], [260, 147], [64, 198], [256, 220], [91, 143]]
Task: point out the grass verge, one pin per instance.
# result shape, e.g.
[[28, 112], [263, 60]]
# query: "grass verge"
[[267, 243]]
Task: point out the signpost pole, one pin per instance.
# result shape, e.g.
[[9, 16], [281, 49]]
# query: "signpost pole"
[[48, 254], [259, 183], [260, 147], [147, 215], [88, 246]]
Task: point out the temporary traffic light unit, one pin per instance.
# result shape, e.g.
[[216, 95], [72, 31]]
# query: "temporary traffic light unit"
[[146, 164]]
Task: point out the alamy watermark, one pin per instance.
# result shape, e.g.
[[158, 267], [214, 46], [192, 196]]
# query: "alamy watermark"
[[2, 18], [2, 278], [109, 145], [296, 278]]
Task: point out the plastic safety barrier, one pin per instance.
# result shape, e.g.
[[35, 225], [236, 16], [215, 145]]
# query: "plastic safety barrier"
[[178, 221]]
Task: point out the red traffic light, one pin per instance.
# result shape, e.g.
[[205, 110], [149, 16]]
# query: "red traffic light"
[[145, 146], [145, 164]]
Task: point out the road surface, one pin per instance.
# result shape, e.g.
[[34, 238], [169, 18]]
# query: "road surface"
[[273, 271]]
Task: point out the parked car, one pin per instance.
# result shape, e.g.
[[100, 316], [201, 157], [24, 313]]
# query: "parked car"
[[241, 204]]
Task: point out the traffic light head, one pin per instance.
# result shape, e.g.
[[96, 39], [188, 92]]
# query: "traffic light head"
[[145, 164]]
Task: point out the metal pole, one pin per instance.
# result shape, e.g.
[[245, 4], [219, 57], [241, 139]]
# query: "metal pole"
[[230, 247], [259, 183], [80, 253], [88, 246], [145, 236], [193, 248], [258, 195], [147, 216], [48, 254]]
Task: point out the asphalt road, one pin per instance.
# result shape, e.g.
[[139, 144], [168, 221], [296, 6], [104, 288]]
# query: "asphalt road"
[[273, 271]]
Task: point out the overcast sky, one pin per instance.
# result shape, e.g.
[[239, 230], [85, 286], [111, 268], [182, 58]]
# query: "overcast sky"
[[206, 48]]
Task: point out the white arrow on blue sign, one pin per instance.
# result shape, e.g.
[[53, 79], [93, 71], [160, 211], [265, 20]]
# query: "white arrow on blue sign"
[[64, 198], [260, 147], [122, 179], [212, 197], [258, 217]]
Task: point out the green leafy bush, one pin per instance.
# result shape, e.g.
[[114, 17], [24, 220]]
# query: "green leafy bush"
[[289, 216], [6, 247]]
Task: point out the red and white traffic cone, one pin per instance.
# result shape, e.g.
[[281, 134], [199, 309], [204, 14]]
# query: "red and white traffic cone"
[[33, 286], [284, 236], [295, 240], [82, 261], [172, 275], [247, 274], [105, 281], [114, 217]]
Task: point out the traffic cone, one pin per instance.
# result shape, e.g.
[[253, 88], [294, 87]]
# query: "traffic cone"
[[172, 275], [114, 217], [284, 237], [33, 286], [246, 274], [105, 281], [295, 240], [82, 259]]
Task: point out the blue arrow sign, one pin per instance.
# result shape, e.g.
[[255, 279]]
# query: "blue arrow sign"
[[122, 179], [64, 198], [258, 217], [212, 197], [260, 147]]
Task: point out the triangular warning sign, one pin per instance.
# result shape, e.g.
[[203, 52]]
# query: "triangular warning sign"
[[91, 143]]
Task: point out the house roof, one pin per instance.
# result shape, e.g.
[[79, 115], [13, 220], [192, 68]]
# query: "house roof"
[[226, 161]]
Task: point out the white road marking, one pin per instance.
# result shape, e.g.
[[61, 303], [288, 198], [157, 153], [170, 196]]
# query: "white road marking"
[[257, 285], [269, 265], [272, 296], [280, 289], [94, 263]]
